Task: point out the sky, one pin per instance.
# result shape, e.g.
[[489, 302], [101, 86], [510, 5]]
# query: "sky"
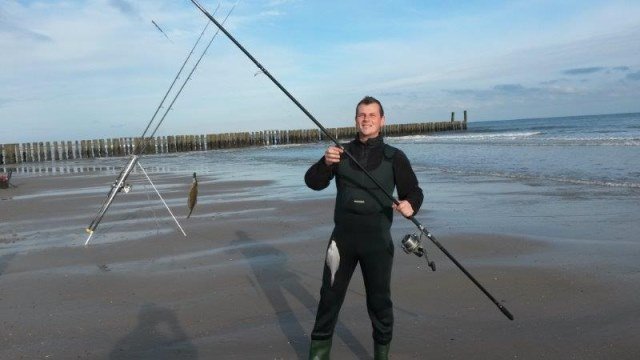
[[91, 69]]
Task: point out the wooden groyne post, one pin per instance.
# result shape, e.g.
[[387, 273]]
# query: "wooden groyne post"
[[9, 153], [116, 147]]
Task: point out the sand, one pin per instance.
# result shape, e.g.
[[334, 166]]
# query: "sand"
[[244, 283]]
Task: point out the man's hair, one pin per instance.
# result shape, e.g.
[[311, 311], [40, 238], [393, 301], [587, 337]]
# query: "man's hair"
[[368, 100]]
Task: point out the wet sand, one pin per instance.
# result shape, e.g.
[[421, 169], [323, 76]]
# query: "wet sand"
[[244, 283]]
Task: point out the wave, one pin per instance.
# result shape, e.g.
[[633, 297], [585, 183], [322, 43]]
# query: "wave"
[[468, 136], [524, 138], [532, 177], [592, 141]]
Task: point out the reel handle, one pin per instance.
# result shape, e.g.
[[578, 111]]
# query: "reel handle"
[[432, 265]]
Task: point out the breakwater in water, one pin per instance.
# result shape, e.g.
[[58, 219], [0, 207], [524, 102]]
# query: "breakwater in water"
[[115, 147]]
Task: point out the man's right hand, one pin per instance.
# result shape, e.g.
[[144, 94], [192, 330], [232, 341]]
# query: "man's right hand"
[[332, 155]]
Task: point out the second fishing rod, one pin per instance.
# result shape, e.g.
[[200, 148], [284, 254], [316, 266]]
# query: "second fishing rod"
[[421, 227]]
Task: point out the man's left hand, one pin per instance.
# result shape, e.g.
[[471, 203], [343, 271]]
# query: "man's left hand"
[[404, 208]]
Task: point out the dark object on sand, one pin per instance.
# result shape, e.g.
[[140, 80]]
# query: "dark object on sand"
[[193, 195], [421, 227], [5, 180]]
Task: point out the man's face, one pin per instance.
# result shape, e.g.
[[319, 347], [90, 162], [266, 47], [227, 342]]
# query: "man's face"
[[368, 121]]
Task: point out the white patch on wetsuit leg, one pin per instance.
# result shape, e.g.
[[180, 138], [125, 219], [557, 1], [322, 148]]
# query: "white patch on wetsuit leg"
[[333, 259]]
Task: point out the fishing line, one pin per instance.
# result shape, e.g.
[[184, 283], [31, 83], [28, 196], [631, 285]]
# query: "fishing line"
[[421, 227]]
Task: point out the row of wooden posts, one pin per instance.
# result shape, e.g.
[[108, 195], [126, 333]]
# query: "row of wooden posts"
[[88, 149]]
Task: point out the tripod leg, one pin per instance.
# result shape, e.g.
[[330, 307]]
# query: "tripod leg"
[[160, 196]]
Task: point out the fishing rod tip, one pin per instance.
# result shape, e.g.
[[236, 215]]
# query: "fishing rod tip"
[[506, 313]]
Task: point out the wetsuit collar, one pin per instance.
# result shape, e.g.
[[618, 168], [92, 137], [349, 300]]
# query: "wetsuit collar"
[[376, 141]]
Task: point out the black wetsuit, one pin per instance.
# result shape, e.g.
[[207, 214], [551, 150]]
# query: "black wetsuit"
[[363, 217]]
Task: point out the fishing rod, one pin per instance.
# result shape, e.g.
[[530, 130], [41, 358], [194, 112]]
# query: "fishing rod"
[[160, 29], [421, 227], [119, 184]]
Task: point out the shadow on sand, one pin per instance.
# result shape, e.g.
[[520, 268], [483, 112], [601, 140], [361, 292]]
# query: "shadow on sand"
[[269, 266], [158, 335]]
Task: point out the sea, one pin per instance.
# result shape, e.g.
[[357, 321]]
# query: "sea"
[[571, 178], [598, 150]]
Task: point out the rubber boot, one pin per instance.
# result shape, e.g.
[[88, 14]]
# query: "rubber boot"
[[320, 349], [381, 352]]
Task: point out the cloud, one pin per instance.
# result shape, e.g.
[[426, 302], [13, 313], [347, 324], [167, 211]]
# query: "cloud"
[[511, 88], [621, 68], [85, 56], [554, 81], [501, 90], [634, 75], [23, 33], [596, 69], [582, 71], [510, 91], [126, 8]]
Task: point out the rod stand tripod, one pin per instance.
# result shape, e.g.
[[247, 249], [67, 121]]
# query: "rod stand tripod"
[[120, 185]]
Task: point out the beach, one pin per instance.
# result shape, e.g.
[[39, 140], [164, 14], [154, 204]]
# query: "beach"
[[244, 283], [519, 121]]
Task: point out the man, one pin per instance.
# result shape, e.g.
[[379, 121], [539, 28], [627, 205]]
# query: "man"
[[363, 216]]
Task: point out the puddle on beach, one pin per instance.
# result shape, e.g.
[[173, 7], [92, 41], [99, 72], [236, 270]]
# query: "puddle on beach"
[[98, 167]]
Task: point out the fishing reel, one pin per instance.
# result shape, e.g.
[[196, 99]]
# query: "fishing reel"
[[411, 245], [124, 187]]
